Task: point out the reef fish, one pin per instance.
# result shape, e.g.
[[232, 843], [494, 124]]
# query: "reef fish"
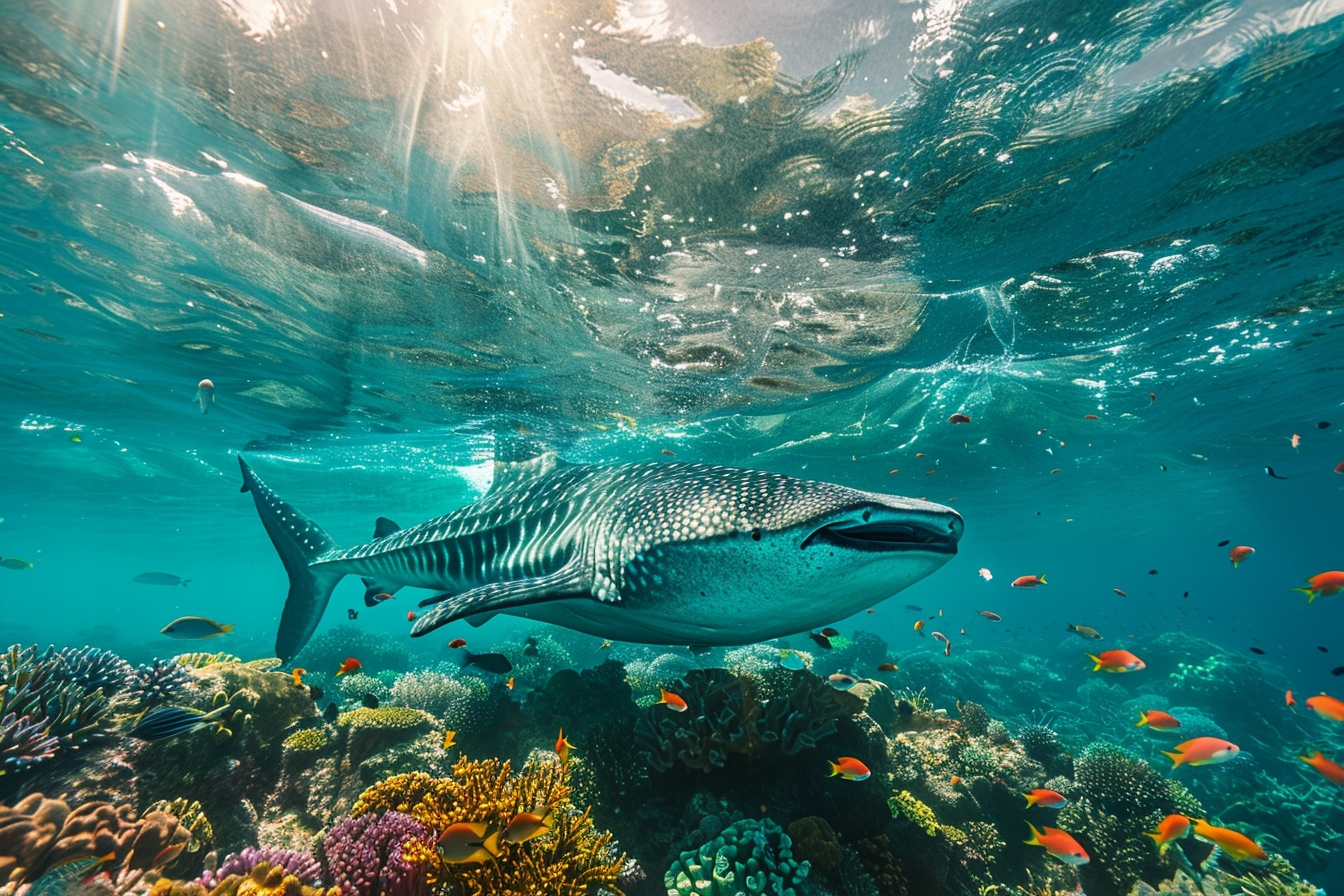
[[1156, 718], [160, 578], [1331, 771], [1173, 827], [163, 722], [1059, 844], [1050, 799], [1029, 581], [348, 665], [1116, 661], [1240, 553], [1327, 706], [850, 769], [1237, 846], [655, 553], [525, 826], [468, 842], [1202, 751], [562, 747], [1084, 631], [1323, 584], [195, 628], [490, 662], [15, 563], [66, 877], [991, 616], [674, 702]]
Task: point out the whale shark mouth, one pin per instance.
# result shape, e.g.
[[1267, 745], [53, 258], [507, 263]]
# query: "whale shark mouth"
[[885, 536]]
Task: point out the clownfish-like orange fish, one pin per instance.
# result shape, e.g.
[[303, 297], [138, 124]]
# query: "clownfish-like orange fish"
[[350, 665], [1155, 718], [1173, 827], [1240, 553], [674, 702], [1116, 661], [1058, 844], [1029, 581], [1330, 771]]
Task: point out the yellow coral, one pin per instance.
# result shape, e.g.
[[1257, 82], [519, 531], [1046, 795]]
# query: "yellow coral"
[[568, 861], [200, 660], [305, 740], [386, 717], [906, 804], [265, 880]]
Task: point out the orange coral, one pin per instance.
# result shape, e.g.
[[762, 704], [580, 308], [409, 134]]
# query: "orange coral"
[[567, 861]]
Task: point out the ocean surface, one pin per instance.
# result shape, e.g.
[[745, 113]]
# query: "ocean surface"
[[403, 239]]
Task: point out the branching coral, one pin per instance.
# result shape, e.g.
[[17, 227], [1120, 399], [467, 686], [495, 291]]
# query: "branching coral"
[[157, 683], [364, 856], [747, 857], [569, 860], [904, 804], [62, 691], [24, 742]]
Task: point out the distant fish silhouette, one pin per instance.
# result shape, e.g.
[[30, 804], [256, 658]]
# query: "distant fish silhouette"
[[352, 614], [1272, 474], [160, 578]]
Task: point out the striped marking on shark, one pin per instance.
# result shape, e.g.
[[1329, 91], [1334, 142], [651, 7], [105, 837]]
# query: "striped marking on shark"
[[656, 553]]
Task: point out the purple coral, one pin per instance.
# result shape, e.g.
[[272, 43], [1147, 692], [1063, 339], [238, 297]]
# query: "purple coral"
[[364, 858], [24, 742], [300, 864]]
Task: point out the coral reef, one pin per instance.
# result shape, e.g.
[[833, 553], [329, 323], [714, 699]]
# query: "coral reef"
[[241, 864], [746, 857], [263, 880], [156, 683]]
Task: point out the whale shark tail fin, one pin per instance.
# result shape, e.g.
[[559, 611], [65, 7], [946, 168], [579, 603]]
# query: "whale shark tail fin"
[[298, 540]]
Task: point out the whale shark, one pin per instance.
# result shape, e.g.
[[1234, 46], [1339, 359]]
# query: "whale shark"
[[654, 553]]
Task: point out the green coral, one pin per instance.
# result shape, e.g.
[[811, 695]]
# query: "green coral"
[[306, 740], [748, 857], [904, 804], [978, 758], [200, 660]]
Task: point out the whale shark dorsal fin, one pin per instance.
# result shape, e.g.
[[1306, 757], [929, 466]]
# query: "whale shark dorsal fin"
[[511, 473], [383, 527]]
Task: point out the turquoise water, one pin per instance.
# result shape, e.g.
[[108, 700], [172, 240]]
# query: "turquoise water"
[[404, 239]]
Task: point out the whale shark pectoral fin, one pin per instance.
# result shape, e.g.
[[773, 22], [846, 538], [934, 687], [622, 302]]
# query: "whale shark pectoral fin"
[[570, 581], [480, 619]]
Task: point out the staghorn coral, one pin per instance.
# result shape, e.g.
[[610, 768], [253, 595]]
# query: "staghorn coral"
[[364, 856], [289, 862], [747, 857], [263, 880], [24, 742], [157, 683], [400, 793], [568, 860]]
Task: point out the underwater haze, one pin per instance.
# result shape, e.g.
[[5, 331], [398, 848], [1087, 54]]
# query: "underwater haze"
[[1068, 269]]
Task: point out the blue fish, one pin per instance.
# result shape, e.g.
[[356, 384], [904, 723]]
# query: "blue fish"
[[164, 722]]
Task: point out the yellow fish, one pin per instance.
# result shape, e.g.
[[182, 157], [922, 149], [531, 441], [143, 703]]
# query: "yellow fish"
[[449, 739], [468, 842]]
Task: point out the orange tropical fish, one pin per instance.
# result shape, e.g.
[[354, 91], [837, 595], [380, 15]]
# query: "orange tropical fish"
[[919, 625], [1331, 771], [850, 769], [1237, 847], [457, 643], [1029, 581], [1202, 751], [1050, 799], [1155, 718], [674, 702], [886, 667], [509, 684], [1240, 553], [449, 739], [1323, 584], [1288, 699], [562, 747], [1328, 707], [1059, 844], [958, 418], [1296, 440], [350, 665], [410, 615], [1091, 417], [298, 677], [956, 779], [526, 826], [1173, 827], [1116, 661], [468, 842]]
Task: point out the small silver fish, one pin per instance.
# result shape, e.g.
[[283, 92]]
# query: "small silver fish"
[[195, 628], [160, 578]]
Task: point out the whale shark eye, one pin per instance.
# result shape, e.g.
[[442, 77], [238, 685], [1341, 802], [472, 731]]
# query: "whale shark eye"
[[867, 515]]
